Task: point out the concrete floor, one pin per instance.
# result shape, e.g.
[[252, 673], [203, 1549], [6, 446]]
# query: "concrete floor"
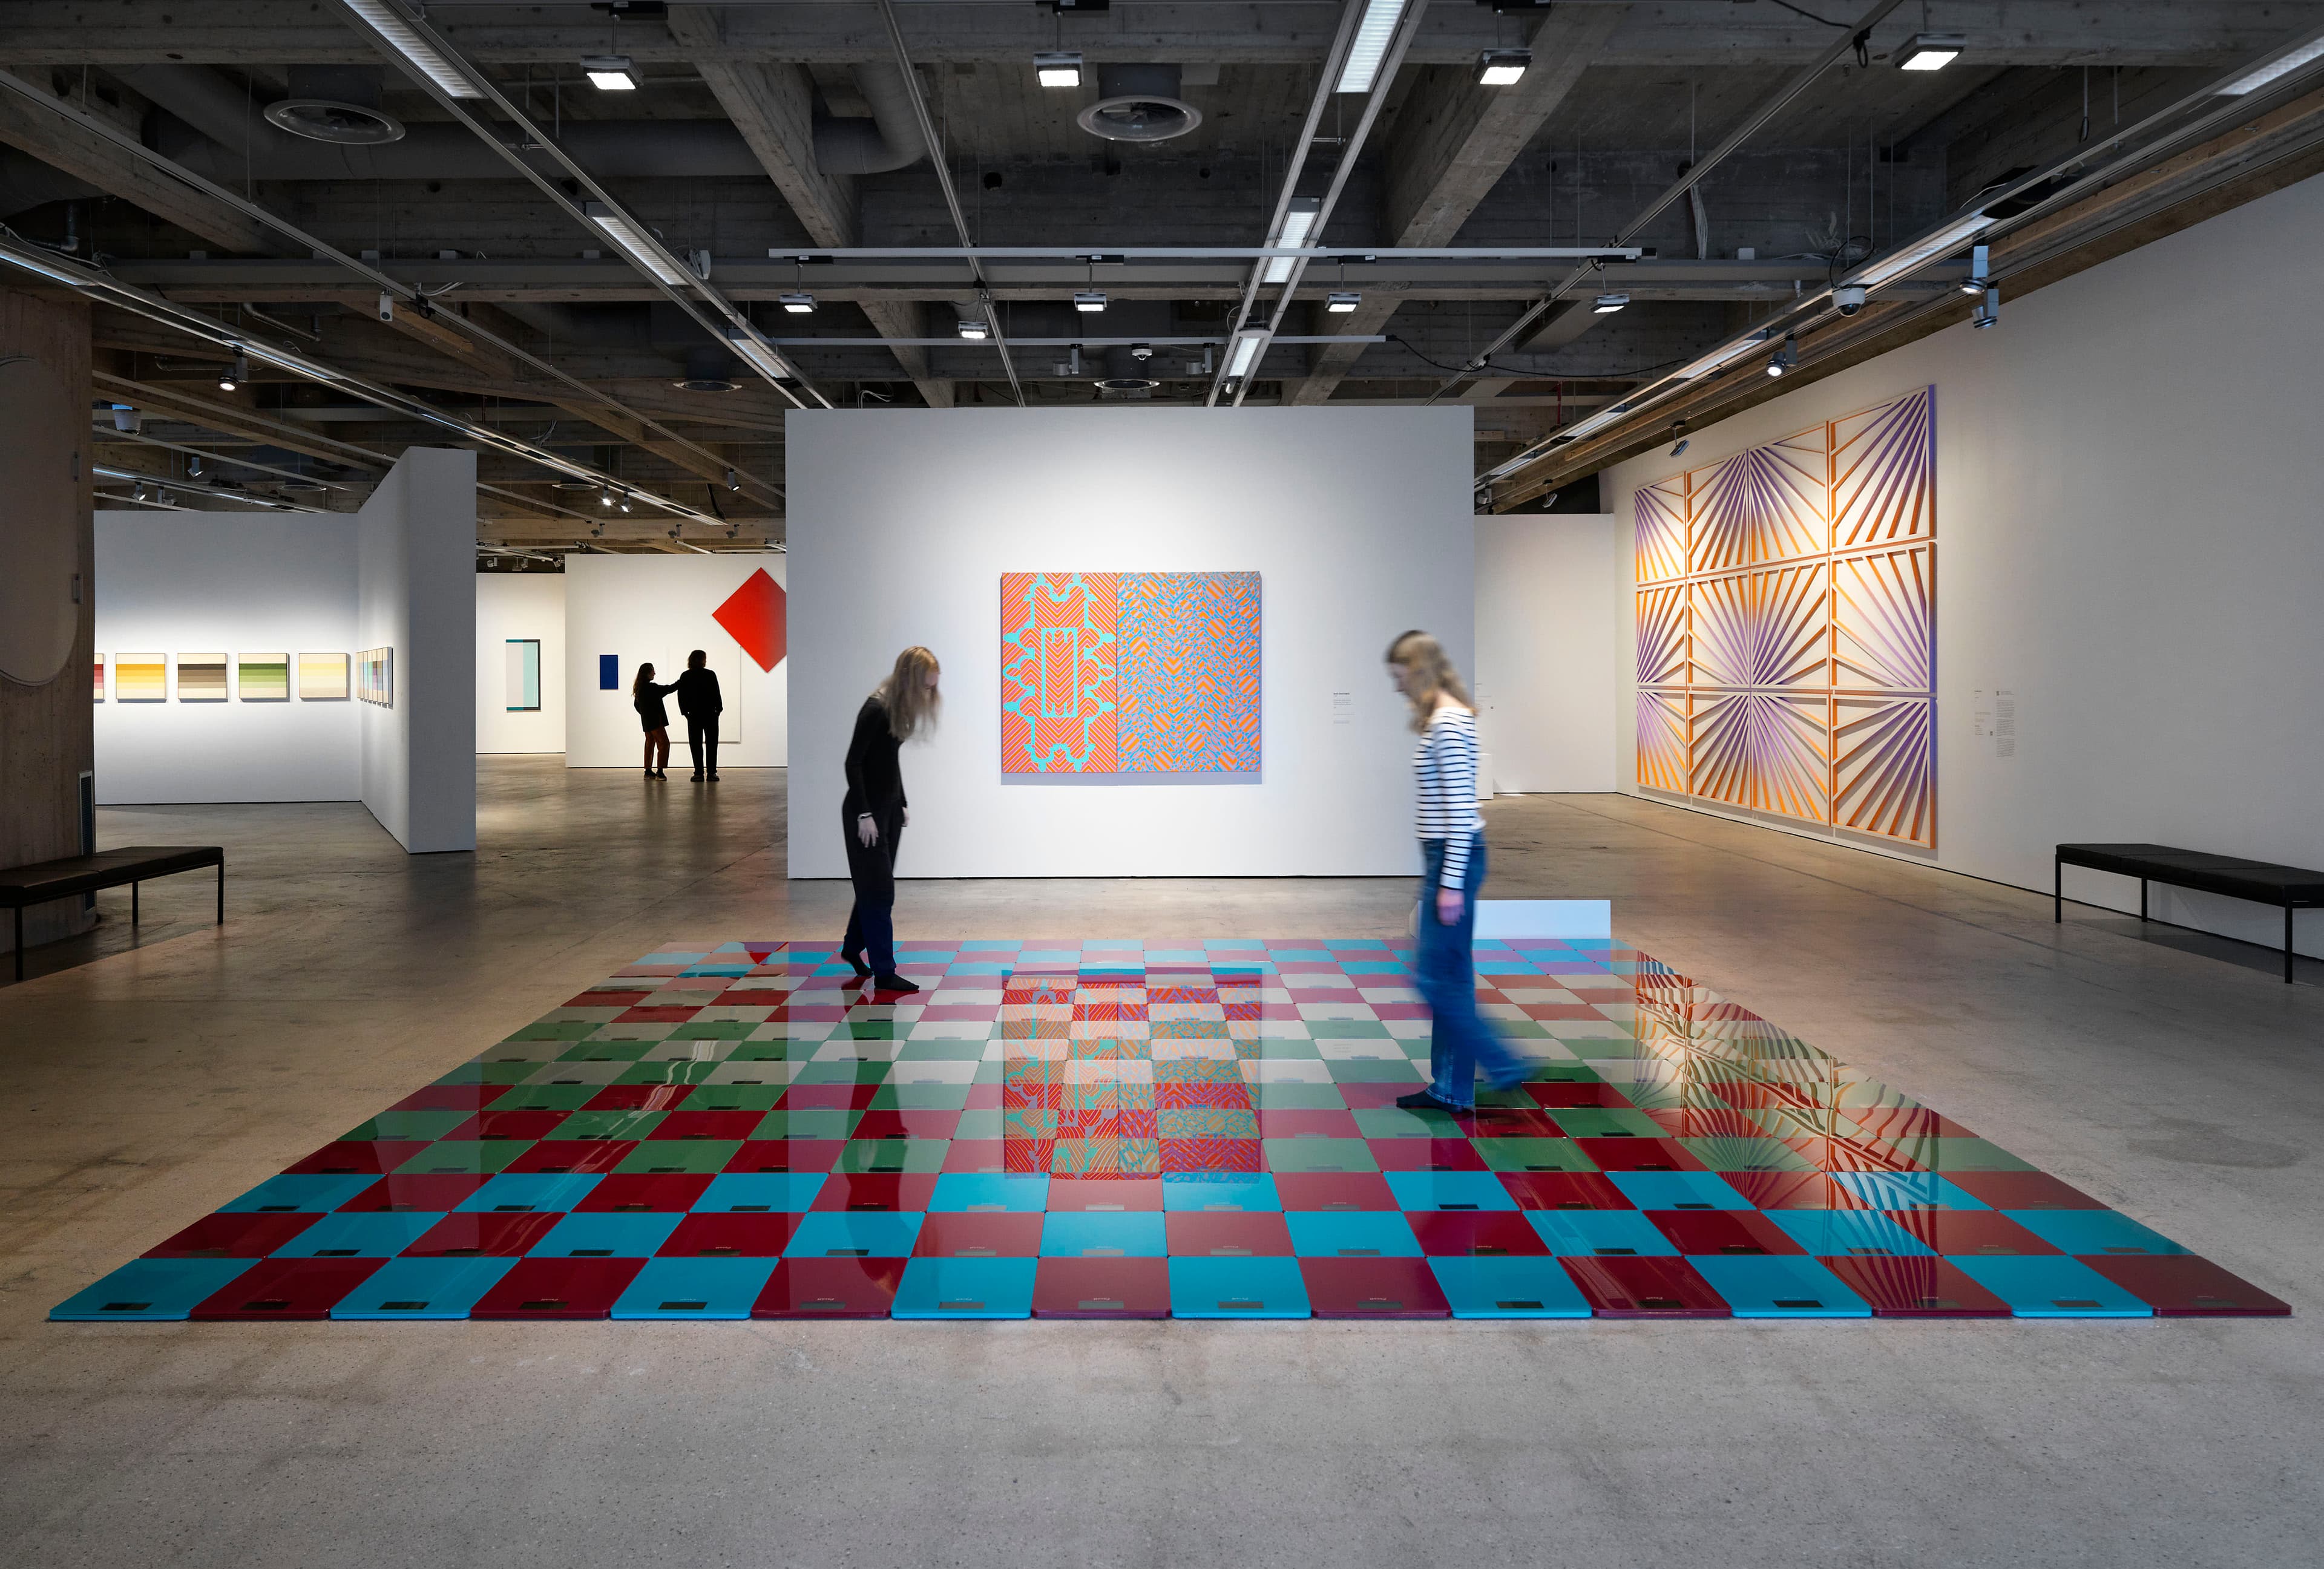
[[151, 1082]]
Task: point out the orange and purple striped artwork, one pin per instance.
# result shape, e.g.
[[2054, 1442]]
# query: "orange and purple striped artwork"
[[1786, 626], [1129, 673]]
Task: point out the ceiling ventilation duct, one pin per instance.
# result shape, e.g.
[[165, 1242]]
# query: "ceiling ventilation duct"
[[889, 139], [1139, 102], [338, 104], [1125, 372]]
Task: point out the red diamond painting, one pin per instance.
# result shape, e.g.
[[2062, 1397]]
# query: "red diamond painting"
[[753, 616]]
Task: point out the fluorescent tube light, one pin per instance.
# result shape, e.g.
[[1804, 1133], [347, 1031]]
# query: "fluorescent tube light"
[[1929, 248], [1247, 343], [398, 35], [635, 242], [610, 73], [1296, 224], [1058, 69], [796, 304], [1502, 68], [1929, 51], [1725, 353], [2282, 65], [51, 273], [1089, 299], [1341, 304], [1370, 47], [1609, 303]]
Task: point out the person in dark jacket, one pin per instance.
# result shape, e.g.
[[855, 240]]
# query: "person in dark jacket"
[[646, 698], [698, 700], [873, 815]]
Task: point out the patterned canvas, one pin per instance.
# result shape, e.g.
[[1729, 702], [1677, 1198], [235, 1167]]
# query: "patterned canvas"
[[1111, 1128], [139, 678], [263, 677], [201, 677], [98, 672], [1130, 672], [375, 677], [323, 678], [1057, 680], [1189, 672], [1786, 625]]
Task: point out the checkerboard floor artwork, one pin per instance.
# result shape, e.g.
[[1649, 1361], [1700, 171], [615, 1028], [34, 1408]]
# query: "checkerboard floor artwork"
[[1114, 1130]]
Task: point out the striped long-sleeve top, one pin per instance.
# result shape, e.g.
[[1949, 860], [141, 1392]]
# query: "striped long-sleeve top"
[[1445, 768]]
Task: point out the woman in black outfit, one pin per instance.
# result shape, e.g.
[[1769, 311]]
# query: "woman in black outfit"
[[646, 698], [873, 816]]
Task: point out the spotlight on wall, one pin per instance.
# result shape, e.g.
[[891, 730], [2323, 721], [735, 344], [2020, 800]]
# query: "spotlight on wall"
[[1784, 358], [1988, 310], [234, 375], [604, 495], [194, 468], [974, 331], [1930, 50], [1975, 285], [610, 73], [733, 482], [1058, 69], [625, 501], [1342, 304], [1502, 68], [798, 303], [1089, 299], [1678, 429], [1608, 304]]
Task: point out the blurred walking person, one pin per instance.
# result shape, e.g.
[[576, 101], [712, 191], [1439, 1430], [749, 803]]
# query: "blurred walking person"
[[1453, 854], [874, 812], [698, 700], [647, 699]]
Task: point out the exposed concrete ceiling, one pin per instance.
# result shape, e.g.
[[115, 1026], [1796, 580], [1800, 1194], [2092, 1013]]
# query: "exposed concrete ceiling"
[[769, 131]]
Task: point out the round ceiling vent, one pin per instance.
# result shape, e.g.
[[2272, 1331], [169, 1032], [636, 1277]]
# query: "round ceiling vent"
[[1140, 118], [704, 385], [327, 120]]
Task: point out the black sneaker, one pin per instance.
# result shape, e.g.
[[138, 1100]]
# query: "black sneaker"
[[698, 778], [1423, 1101], [713, 778], [861, 968], [887, 983]]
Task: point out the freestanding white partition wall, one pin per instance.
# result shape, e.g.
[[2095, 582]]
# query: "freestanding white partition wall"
[[417, 595], [902, 522]]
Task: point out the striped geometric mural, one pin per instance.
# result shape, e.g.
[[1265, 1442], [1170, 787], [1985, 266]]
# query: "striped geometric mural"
[[1786, 617]]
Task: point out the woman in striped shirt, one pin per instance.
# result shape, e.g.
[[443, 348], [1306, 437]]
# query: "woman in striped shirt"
[[1452, 851]]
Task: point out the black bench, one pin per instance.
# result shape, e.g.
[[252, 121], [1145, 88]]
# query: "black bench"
[[2261, 882], [46, 880]]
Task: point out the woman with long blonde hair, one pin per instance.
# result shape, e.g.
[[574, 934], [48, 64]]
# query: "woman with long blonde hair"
[[1453, 854], [873, 811]]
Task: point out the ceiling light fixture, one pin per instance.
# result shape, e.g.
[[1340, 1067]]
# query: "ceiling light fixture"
[[974, 331], [1297, 222], [1370, 46], [1502, 68], [733, 482], [234, 375], [1059, 67], [1607, 304], [1980, 263], [1247, 343], [1929, 51], [1784, 359], [2281, 66], [1342, 304], [1988, 310], [797, 304], [1929, 248], [384, 19], [605, 496], [634, 242], [1089, 299], [625, 501], [611, 73]]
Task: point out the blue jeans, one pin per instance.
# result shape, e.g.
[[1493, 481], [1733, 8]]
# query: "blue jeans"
[[1445, 969]]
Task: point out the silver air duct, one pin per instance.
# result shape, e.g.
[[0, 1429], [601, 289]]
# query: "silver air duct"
[[889, 139]]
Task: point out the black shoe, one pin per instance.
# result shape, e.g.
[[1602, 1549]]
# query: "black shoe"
[[887, 983], [861, 967], [713, 778], [649, 774], [1423, 1101], [658, 774], [698, 778]]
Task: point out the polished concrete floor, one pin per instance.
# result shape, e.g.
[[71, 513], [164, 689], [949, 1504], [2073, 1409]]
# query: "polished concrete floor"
[[152, 1080]]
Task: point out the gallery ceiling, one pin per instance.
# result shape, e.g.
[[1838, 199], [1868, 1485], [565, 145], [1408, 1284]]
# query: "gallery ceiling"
[[452, 285]]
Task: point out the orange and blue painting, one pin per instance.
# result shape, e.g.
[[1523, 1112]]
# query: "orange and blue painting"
[[1130, 672]]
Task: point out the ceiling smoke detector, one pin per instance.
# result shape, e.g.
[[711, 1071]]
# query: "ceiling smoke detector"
[[342, 125], [1139, 102]]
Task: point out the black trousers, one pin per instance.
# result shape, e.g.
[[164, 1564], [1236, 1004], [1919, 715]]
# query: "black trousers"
[[872, 868], [702, 739]]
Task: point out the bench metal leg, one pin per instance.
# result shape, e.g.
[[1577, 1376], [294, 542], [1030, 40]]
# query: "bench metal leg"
[[221, 900], [20, 942], [2057, 891], [2141, 901], [2287, 945], [133, 904]]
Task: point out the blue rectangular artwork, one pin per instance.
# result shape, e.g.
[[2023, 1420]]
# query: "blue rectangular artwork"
[[609, 672]]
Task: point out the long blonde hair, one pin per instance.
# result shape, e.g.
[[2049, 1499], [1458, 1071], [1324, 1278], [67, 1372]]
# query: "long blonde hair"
[[911, 702], [1429, 671]]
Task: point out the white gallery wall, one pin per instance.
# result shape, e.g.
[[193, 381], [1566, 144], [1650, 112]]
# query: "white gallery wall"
[[901, 522], [231, 582], [511, 605], [416, 593], [1549, 649], [2130, 543], [657, 609], [398, 574]]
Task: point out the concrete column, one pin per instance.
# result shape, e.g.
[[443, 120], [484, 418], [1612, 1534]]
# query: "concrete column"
[[47, 595]]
